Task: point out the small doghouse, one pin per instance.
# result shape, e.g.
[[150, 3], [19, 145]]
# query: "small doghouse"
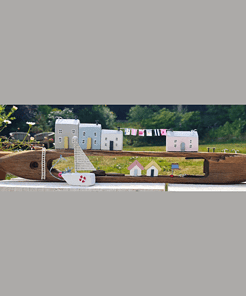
[[152, 169], [135, 168]]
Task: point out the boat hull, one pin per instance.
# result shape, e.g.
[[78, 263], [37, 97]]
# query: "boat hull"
[[27, 164], [79, 179]]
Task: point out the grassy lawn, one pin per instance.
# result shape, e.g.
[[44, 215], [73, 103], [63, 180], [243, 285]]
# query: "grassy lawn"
[[202, 148], [120, 164]]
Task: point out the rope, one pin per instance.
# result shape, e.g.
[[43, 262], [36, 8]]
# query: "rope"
[[43, 168], [60, 179]]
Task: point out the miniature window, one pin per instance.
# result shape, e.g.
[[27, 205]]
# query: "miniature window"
[[83, 134], [190, 141], [106, 139], [73, 131], [116, 139], [95, 142], [116, 144], [73, 140], [60, 139], [95, 134], [175, 141], [175, 145], [190, 146], [106, 144], [60, 131], [83, 141]]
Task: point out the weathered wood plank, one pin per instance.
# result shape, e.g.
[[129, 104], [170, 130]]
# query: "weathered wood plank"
[[190, 155]]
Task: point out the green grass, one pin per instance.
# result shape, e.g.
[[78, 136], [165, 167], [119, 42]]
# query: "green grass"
[[202, 148], [9, 177], [219, 147], [120, 164]]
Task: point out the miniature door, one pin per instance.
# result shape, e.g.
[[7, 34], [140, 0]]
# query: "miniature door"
[[135, 172], [182, 146], [152, 173], [111, 145], [65, 142], [88, 143]]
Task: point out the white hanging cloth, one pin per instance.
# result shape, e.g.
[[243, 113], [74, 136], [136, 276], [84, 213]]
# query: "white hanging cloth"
[[127, 131], [157, 132]]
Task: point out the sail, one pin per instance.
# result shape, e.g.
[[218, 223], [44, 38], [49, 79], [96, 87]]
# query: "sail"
[[81, 161]]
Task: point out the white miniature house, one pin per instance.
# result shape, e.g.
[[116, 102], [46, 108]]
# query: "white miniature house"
[[182, 141], [135, 169], [65, 130], [111, 139], [152, 169]]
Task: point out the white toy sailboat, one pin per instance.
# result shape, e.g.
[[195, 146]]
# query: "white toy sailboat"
[[81, 162]]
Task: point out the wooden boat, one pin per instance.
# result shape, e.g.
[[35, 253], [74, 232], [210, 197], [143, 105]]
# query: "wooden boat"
[[219, 168]]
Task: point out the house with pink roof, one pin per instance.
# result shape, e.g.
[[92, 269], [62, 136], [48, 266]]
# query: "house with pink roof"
[[135, 168]]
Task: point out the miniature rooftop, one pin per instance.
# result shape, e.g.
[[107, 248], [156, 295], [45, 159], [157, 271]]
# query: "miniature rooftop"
[[135, 163], [67, 121], [111, 131], [153, 163], [191, 133], [90, 125]]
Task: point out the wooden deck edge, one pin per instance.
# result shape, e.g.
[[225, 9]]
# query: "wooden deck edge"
[[191, 155]]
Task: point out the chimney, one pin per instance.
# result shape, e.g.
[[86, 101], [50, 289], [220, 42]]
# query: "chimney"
[[118, 128], [97, 122]]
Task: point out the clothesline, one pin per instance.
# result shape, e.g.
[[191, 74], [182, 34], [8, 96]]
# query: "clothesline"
[[123, 128], [133, 132]]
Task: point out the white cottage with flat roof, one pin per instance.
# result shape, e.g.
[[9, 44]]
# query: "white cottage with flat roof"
[[111, 139], [65, 130], [182, 141]]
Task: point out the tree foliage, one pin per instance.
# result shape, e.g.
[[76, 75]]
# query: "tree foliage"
[[22, 115], [101, 113], [6, 117], [66, 113], [213, 122], [139, 113]]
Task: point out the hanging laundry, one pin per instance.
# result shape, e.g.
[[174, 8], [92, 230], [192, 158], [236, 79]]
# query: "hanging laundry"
[[149, 132], [163, 132], [127, 131], [141, 132], [134, 132], [155, 130], [158, 132]]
